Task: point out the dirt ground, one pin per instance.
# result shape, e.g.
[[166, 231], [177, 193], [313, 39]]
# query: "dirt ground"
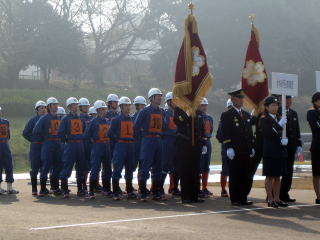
[[27, 217]]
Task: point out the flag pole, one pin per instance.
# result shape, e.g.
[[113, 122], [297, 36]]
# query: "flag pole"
[[252, 17], [191, 7]]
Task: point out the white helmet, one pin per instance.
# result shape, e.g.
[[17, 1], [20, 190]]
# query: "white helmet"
[[71, 100], [61, 111], [84, 102], [51, 100], [112, 98], [229, 103], [92, 110], [99, 104], [169, 96], [154, 91], [140, 100], [124, 100], [40, 104], [204, 101]]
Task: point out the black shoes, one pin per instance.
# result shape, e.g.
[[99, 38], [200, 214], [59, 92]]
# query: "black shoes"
[[273, 204], [277, 204]]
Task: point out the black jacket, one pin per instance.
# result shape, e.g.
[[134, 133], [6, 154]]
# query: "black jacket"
[[272, 133], [237, 131], [313, 117], [293, 130], [184, 126]]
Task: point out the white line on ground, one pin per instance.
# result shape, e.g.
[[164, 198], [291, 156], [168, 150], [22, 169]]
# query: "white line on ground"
[[160, 217]]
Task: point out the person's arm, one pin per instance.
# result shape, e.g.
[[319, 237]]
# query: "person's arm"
[[27, 131], [87, 135], [39, 131], [219, 133], [62, 130], [9, 133], [226, 130], [112, 132], [138, 123], [298, 131], [313, 121]]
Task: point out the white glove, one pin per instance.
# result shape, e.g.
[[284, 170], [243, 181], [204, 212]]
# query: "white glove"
[[204, 150], [253, 152], [284, 141], [299, 150], [283, 121], [230, 153]]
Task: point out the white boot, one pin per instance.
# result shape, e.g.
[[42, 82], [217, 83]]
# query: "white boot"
[[10, 190]]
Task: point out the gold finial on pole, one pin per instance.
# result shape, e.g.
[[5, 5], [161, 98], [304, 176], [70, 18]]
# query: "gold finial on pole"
[[252, 17], [191, 7]]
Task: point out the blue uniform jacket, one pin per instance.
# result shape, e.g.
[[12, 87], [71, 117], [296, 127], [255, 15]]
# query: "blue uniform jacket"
[[150, 121], [46, 127], [170, 128], [27, 131], [4, 129], [121, 128], [71, 128], [97, 130]]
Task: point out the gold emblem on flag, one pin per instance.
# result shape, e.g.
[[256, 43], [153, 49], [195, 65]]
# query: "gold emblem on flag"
[[198, 61], [254, 73]]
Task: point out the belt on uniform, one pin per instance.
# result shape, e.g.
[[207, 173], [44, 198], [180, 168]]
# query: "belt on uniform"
[[151, 136], [74, 141], [36, 142], [3, 141], [126, 141], [53, 139], [102, 141]]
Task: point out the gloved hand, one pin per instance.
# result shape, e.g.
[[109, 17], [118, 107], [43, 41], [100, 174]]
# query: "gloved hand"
[[204, 150], [253, 152], [284, 141], [299, 150], [283, 121], [230, 153]]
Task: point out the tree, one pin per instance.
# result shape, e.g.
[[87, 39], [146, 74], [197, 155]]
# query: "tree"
[[33, 34]]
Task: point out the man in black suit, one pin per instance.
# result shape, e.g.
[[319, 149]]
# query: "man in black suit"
[[237, 136], [294, 147], [188, 155]]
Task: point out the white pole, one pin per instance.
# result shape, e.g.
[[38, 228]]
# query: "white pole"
[[284, 112]]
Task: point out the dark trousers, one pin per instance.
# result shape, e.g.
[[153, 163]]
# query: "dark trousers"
[[286, 180], [189, 169], [240, 178]]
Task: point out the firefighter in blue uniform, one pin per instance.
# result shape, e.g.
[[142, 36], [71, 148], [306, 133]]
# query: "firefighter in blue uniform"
[[5, 156], [100, 150], [46, 131], [84, 105], [71, 131], [206, 153], [169, 164], [139, 103], [149, 123], [35, 147], [121, 132]]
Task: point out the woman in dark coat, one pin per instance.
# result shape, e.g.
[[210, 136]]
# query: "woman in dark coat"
[[274, 151], [313, 117]]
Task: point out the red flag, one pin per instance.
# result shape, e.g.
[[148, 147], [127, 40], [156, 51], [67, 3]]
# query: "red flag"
[[192, 79], [254, 76]]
